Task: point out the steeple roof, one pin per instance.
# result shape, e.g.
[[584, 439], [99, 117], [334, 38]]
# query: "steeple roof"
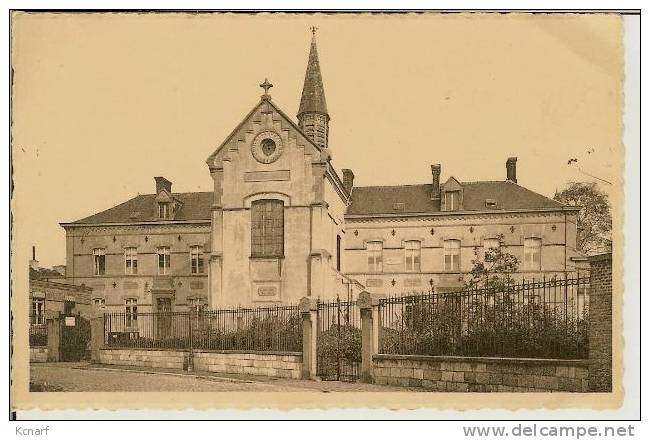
[[313, 92]]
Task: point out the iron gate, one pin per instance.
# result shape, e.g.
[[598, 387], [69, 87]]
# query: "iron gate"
[[75, 336], [339, 341]]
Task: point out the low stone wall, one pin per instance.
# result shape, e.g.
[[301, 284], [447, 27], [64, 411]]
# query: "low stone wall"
[[465, 374], [37, 354], [276, 364]]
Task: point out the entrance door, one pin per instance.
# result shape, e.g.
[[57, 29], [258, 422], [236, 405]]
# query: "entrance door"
[[75, 336], [163, 317]]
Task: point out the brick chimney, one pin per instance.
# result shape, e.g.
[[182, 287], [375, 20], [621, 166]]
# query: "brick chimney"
[[435, 180], [511, 169], [348, 180], [162, 183], [33, 263]]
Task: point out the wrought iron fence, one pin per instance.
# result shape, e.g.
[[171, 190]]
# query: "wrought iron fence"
[[536, 319], [37, 335], [338, 354], [277, 328]]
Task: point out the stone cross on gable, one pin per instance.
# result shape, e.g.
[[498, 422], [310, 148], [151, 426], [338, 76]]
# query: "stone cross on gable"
[[266, 85]]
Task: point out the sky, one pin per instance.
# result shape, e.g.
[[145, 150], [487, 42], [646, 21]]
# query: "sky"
[[102, 103]]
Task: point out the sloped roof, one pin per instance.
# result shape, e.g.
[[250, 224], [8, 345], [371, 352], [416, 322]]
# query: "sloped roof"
[[416, 199], [313, 92], [142, 208]]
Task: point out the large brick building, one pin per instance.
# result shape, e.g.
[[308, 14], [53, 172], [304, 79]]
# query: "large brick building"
[[281, 223]]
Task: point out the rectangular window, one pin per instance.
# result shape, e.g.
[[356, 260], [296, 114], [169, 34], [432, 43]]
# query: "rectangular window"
[[412, 255], [163, 209], [163, 260], [68, 307], [131, 312], [196, 259], [452, 255], [38, 311], [452, 200], [375, 250], [99, 303], [130, 261], [533, 253], [198, 305], [267, 228], [491, 243], [99, 261]]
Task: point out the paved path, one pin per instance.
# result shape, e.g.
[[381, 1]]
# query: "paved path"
[[86, 377]]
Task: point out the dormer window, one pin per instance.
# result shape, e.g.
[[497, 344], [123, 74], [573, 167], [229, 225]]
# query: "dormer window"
[[452, 200], [163, 209]]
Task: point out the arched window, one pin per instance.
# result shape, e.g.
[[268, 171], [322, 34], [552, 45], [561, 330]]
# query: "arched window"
[[267, 228]]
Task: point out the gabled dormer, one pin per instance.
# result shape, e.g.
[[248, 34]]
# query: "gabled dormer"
[[166, 206], [451, 193]]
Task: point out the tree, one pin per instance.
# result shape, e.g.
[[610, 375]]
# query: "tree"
[[594, 219], [494, 268]]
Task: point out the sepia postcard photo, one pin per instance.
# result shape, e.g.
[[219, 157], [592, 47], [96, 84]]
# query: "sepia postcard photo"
[[293, 210]]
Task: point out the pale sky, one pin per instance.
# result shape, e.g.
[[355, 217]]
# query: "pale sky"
[[102, 103]]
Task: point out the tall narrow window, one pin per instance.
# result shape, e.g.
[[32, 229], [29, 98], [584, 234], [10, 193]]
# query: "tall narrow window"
[[452, 200], [375, 250], [412, 255], [38, 311], [163, 209], [163, 260], [533, 253], [196, 259], [338, 252], [130, 261], [131, 307], [452, 255], [267, 228], [99, 261]]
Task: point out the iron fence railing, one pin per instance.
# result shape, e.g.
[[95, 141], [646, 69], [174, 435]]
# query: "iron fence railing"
[[535, 319], [277, 328], [37, 335]]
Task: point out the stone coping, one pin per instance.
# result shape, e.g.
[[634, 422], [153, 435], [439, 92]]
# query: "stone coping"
[[489, 360], [202, 350]]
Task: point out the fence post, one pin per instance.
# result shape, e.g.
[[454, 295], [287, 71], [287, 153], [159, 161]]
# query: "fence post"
[[600, 323], [368, 304], [309, 311], [97, 337], [53, 338]]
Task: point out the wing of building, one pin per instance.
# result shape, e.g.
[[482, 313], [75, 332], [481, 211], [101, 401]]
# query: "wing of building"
[[281, 224]]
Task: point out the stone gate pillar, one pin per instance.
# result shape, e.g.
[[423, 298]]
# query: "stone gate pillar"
[[368, 304], [97, 336], [309, 312], [600, 323], [53, 338]]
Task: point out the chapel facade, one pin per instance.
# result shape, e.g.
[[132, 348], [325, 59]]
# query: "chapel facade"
[[281, 223]]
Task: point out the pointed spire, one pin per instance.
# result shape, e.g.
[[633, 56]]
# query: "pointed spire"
[[313, 118], [313, 93]]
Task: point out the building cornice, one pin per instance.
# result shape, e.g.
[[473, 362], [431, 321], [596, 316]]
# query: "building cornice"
[[455, 214], [152, 223]]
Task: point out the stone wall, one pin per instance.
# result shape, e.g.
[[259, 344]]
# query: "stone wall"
[[465, 374], [600, 323], [37, 354], [275, 364]]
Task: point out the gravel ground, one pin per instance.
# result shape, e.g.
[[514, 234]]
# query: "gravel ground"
[[87, 377]]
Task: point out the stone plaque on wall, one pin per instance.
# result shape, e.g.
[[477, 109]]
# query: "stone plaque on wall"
[[374, 282], [130, 285], [267, 290], [266, 176], [196, 285], [411, 282]]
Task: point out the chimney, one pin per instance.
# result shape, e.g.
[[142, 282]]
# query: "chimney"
[[348, 180], [511, 169], [162, 183], [33, 263], [435, 175]]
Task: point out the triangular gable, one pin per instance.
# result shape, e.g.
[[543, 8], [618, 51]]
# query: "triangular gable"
[[250, 118], [452, 185]]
